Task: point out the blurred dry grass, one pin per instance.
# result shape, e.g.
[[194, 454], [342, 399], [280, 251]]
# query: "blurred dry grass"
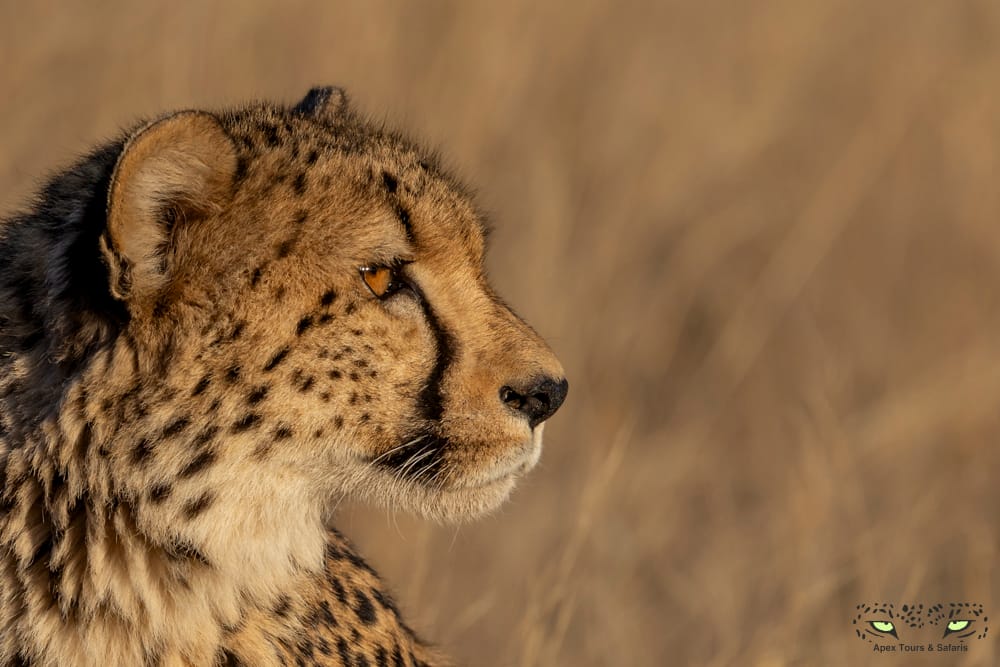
[[763, 240]]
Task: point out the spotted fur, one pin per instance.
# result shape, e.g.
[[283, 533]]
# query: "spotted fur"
[[193, 372]]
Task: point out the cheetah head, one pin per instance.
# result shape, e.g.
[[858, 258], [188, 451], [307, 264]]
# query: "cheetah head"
[[313, 287]]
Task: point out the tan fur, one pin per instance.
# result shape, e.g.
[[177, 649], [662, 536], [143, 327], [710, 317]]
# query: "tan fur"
[[171, 456]]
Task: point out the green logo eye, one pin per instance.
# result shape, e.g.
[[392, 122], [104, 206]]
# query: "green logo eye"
[[957, 626], [883, 626]]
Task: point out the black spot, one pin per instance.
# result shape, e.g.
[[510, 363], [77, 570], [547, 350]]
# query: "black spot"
[[299, 184], [345, 652], [338, 422], [277, 359], [364, 609], [365, 418], [237, 331], [325, 317], [351, 308], [354, 377], [283, 433], [307, 385], [141, 451], [385, 602], [159, 493], [233, 373], [381, 657], [312, 157], [389, 181], [328, 297], [303, 325], [200, 462], [175, 427], [271, 135], [301, 216], [246, 422], [205, 436], [256, 275], [257, 395], [285, 248], [338, 589], [326, 614], [241, 170], [202, 385], [282, 606], [354, 395], [193, 508], [334, 374]]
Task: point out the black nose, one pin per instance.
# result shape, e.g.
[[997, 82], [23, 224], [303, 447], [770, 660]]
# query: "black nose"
[[538, 400]]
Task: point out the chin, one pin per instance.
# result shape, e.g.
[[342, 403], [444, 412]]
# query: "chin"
[[467, 495], [457, 504]]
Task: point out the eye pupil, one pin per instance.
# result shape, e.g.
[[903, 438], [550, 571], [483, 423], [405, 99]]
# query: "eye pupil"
[[381, 280]]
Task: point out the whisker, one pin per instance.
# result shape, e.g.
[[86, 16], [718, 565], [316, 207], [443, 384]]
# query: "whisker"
[[414, 460], [430, 466], [409, 443]]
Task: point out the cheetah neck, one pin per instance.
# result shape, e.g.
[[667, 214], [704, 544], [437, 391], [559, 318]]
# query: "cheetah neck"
[[111, 571]]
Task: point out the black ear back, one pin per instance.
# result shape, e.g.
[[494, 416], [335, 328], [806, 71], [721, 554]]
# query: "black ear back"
[[322, 101]]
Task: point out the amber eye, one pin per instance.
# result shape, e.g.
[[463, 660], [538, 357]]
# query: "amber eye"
[[383, 281]]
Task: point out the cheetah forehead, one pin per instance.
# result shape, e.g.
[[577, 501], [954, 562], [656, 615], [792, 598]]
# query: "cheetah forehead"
[[320, 168]]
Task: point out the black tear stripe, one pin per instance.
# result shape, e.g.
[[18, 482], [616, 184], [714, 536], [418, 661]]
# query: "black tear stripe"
[[430, 402]]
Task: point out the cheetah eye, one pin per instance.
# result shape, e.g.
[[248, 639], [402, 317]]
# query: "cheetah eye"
[[383, 281], [956, 626], [885, 627]]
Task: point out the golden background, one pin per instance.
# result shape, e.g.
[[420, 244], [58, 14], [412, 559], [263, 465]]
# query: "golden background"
[[763, 238]]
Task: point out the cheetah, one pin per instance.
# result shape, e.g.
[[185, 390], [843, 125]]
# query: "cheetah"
[[212, 330]]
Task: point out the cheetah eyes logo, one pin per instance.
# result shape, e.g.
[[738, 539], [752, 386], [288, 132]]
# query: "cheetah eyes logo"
[[942, 627]]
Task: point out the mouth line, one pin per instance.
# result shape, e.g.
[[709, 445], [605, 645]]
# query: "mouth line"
[[506, 474]]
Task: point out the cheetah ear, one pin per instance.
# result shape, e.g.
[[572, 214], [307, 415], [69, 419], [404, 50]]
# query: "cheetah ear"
[[171, 172], [323, 102]]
